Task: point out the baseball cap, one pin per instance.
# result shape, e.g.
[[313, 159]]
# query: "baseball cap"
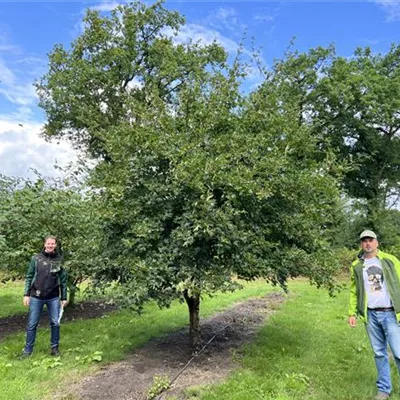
[[368, 233]]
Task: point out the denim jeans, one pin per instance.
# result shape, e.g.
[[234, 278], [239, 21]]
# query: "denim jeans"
[[383, 329], [35, 310]]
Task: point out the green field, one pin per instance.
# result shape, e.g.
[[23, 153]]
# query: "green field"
[[84, 342], [11, 299], [305, 351]]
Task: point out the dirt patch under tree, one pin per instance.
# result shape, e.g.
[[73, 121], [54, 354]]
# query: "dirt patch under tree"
[[168, 357]]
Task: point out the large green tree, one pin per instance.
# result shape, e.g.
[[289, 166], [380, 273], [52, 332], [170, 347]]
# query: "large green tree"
[[199, 183], [352, 106], [358, 109], [32, 210]]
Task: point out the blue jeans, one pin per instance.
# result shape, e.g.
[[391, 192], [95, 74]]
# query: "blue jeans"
[[383, 329], [35, 310]]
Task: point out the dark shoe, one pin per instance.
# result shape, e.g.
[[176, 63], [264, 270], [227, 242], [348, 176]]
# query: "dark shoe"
[[55, 352], [382, 396], [24, 356]]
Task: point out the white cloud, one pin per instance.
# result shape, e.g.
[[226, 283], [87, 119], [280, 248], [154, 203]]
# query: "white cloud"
[[21, 146], [391, 8], [22, 149], [102, 6], [370, 42], [20, 94], [6, 47], [12, 88], [7, 76], [106, 6], [206, 36], [227, 19], [264, 18], [33, 66]]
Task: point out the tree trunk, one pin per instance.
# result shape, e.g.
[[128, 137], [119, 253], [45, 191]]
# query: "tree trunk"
[[72, 293], [73, 287], [193, 303]]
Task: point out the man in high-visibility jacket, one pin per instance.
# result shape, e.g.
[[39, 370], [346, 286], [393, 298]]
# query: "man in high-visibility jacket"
[[375, 299]]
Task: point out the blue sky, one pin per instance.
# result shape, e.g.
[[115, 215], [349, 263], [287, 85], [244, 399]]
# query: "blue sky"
[[29, 30]]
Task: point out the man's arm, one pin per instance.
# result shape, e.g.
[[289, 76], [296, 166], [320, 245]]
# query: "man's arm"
[[63, 286], [353, 300], [28, 281]]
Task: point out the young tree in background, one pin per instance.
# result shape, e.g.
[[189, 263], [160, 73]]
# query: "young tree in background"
[[30, 210]]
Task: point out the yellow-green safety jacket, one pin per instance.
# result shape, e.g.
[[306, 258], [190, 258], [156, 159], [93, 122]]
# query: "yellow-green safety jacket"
[[391, 275]]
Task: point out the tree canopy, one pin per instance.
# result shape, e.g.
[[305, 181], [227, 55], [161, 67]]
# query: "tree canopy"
[[352, 107], [200, 182], [358, 108], [32, 210]]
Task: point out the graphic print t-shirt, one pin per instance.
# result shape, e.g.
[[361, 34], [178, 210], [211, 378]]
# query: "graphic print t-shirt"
[[375, 285]]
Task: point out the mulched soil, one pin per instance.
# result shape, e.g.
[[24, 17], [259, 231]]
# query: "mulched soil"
[[226, 332], [86, 310]]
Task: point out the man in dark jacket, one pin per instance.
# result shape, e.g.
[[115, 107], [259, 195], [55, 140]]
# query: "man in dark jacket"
[[45, 284]]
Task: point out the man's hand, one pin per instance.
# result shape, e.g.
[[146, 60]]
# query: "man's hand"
[[352, 321], [26, 301], [64, 303]]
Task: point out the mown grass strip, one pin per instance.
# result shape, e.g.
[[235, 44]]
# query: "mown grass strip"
[[306, 351], [85, 343]]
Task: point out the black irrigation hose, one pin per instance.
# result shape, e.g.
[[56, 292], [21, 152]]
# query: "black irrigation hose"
[[188, 363]]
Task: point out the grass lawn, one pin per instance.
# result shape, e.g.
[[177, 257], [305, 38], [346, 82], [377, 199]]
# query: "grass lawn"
[[305, 351], [11, 294], [86, 344]]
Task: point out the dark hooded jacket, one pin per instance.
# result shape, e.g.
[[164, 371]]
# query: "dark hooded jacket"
[[46, 278]]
